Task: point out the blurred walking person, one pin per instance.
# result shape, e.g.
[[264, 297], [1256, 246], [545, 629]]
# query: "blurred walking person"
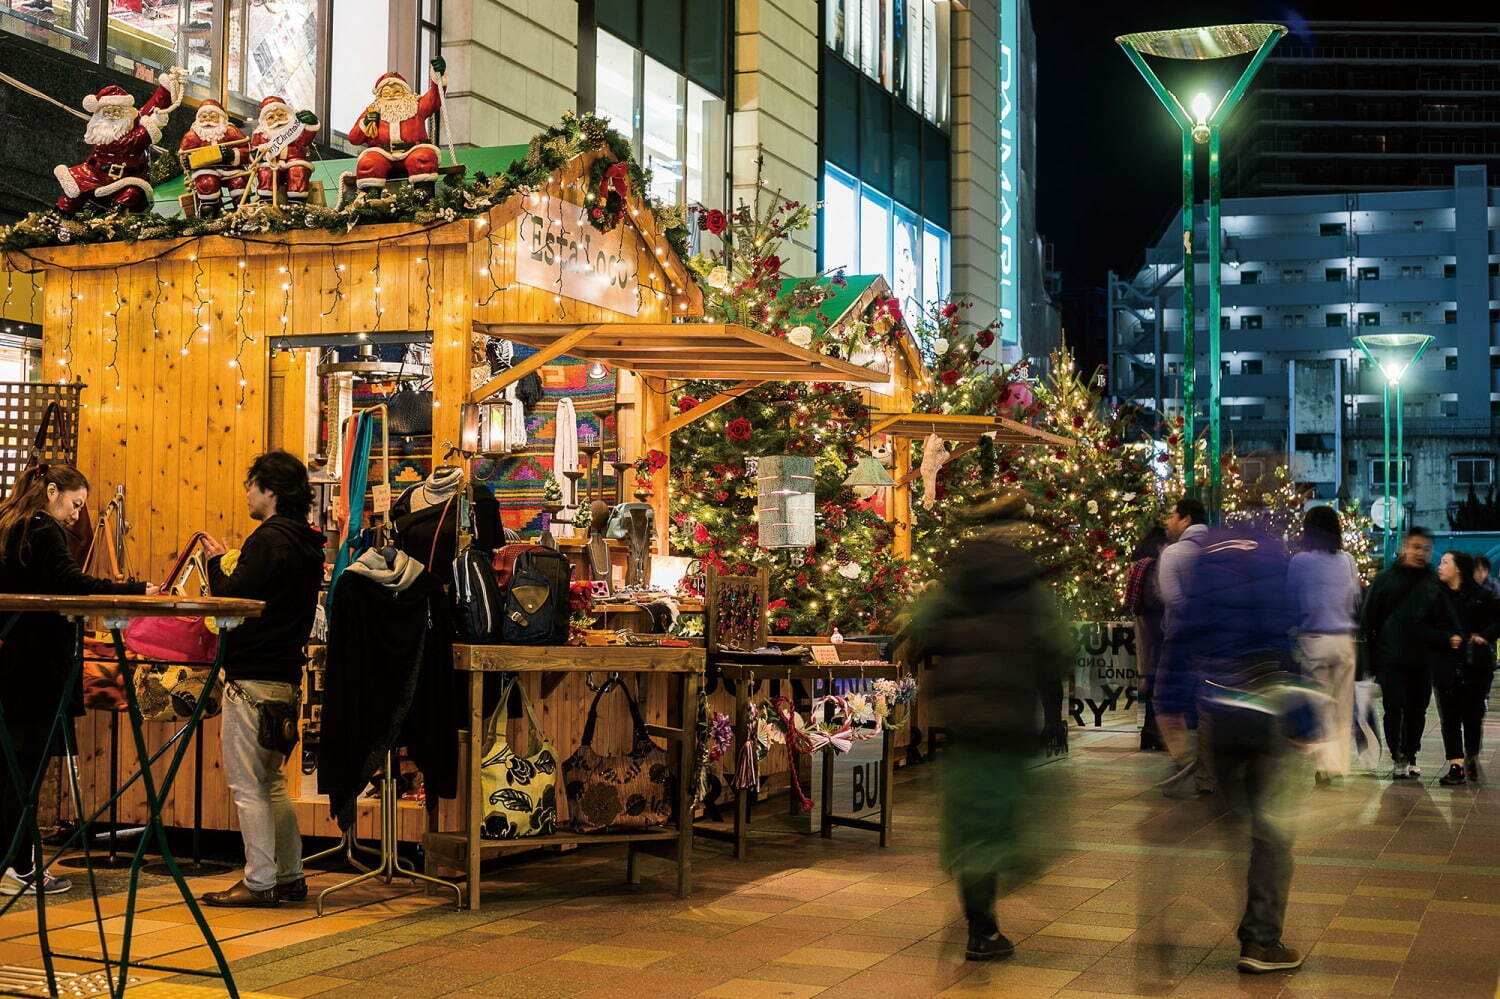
[[1143, 602], [1174, 691], [1323, 585], [1003, 649], [1393, 622], [1236, 635], [1463, 623]]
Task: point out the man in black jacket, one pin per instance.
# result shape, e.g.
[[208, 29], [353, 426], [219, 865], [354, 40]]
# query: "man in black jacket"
[[1392, 623], [281, 563]]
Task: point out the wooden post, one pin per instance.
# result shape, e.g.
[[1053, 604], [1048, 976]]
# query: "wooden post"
[[452, 325], [900, 512], [473, 814], [651, 403]]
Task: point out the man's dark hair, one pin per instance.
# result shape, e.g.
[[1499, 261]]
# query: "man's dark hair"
[[1417, 532], [1482, 562], [1192, 509], [1321, 530], [283, 474]]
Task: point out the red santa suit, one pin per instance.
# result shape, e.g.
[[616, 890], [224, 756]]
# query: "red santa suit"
[[288, 162], [398, 147], [209, 182], [115, 172]]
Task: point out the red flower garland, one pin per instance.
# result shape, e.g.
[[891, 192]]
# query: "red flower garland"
[[739, 430]]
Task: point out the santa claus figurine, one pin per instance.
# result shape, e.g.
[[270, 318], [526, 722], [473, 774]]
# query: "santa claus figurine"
[[394, 126], [213, 155], [114, 175], [280, 146]]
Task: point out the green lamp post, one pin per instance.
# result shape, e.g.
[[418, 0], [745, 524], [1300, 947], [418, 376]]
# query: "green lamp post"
[[1394, 354], [1201, 124]]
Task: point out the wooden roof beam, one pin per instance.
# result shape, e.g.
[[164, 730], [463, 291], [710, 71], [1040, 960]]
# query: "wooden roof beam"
[[514, 374], [701, 410]]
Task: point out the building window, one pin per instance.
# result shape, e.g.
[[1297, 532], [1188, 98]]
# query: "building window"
[[1450, 270], [1450, 317], [1450, 362], [1411, 318], [73, 29], [1473, 472], [1494, 316], [1250, 322], [1292, 320], [1412, 271], [1223, 323], [677, 123], [1495, 268], [1335, 319], [865, 232], [901, 44], [1249, 277], [1369, 319], [1224, 369], [1335, 273], [1369, 273], [1331, 229], [1293, 276], [1402, 472], [1252, 367]]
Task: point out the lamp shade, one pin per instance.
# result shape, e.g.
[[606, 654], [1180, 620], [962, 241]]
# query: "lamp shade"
[[785, 506], [1394, 353], [1219, 41], [871, 474]]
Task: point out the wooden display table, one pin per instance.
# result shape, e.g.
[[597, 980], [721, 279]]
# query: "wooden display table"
[[467, 849], [747, 677], [116, 612]]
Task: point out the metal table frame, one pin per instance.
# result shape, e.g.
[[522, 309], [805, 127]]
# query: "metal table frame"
[[466, 849], [116, 612]]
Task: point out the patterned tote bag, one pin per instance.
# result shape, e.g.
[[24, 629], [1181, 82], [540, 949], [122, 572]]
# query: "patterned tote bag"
[[621, 790], [520, 792]]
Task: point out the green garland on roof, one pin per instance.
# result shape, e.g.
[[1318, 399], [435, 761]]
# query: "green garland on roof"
[[453, 199]]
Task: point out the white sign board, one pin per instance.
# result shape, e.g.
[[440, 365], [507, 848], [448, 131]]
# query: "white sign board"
[[1106, 684], [857, 787], [558, 251]]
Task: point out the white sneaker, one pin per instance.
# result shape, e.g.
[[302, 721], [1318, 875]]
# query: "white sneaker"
[[12, 883], [1412, 770]]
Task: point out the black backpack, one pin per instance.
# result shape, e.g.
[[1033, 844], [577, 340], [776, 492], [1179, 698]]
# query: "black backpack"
[[477, 597], [533, 584]]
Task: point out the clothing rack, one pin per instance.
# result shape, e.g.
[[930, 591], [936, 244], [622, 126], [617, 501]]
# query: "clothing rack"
[[390, 866]]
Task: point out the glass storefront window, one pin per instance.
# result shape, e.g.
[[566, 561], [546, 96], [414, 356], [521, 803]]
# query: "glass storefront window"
[[66, 25], [274, 51], [661, 130], [679, 130], [145, 40], [901, 44], [864, 232], [361, 51]]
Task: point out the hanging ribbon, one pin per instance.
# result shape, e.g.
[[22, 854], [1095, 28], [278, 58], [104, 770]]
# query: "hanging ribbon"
[[616, 178], [837, 734], [797, 744]]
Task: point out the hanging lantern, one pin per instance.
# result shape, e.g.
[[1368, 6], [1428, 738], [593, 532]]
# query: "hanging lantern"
[[785, 501], [870, 474]]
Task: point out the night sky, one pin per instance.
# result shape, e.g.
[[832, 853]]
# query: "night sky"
[[1108, 154]]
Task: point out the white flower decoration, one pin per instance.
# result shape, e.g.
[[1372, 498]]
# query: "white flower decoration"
[[940, 346], [1128, 497], [850, 570], [800, 335], [718, 279]]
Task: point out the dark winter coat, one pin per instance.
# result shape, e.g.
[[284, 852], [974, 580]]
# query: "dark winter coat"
[[1392, 620], [1471, 610], [281, 562], [415, 531], [377, 632], [1001, 642], [37, 654]]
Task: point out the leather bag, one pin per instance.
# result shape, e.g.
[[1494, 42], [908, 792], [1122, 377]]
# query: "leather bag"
[[520, 792], [178, 639], [630, 790], [410, 412]]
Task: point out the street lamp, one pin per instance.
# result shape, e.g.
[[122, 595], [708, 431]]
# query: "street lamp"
[[1201, 127], [1394, 354]]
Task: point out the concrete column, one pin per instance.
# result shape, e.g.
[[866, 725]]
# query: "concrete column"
[[973, 153], [512, 68], [1471, 240]]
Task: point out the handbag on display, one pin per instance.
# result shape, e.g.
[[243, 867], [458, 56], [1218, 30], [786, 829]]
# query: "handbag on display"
[[520, 792], [630, 790], [178, 639], [410, 412], [476, 594], [170, 693]]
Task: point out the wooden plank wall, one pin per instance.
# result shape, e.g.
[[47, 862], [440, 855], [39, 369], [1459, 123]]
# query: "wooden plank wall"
[[163, 333]]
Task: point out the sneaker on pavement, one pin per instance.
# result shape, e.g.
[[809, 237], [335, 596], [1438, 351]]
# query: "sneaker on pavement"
[[1454, 777], [25, 884], [1412, 770], [987, 947], [1257, 959], [1398, 770], [1471, 767]]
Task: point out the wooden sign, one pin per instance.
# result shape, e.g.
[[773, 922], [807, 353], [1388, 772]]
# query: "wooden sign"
[[558, 251], [825, 655]]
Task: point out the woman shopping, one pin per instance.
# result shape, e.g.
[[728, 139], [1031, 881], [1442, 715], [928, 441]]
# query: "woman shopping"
[[36, 658], [1463, 622]]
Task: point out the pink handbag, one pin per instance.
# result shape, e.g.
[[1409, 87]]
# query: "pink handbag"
[[177, 639]]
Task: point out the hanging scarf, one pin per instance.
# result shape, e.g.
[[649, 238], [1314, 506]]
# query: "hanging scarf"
[[515, 419], [935, 455], [565, 450], [358, 440]]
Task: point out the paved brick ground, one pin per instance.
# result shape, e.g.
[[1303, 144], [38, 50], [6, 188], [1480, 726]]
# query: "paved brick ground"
[[1397, 893]]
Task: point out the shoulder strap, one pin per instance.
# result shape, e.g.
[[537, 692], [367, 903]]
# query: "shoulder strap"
[[637, 721], [496, 719], [437, 532]]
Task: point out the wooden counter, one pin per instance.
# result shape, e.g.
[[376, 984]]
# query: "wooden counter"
[[466, 849]]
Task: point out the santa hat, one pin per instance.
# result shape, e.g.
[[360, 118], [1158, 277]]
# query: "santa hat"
[[210, 103], [110, 96], [267, 103], [387, 77]]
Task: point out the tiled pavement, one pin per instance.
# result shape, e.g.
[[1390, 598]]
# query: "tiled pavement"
[[1397, 893]]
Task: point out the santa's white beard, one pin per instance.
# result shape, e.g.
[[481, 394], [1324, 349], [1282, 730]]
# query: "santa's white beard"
[[211, 133], [397, 109], [103, 130]]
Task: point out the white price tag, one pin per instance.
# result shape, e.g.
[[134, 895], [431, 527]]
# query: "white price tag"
[[380, 498]]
